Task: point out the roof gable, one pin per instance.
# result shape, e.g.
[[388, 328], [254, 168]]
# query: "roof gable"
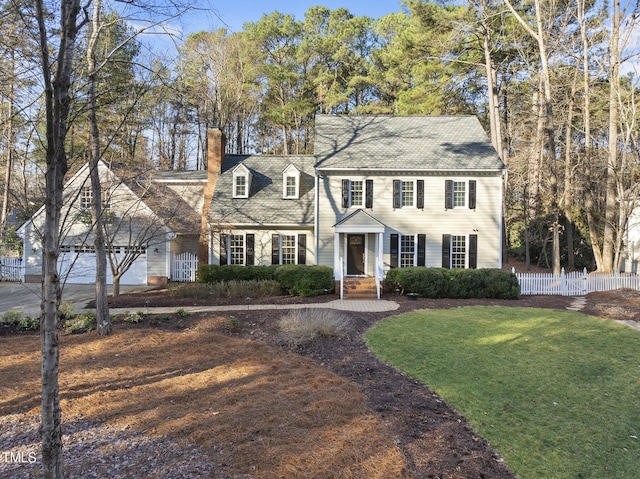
[[403, 143]]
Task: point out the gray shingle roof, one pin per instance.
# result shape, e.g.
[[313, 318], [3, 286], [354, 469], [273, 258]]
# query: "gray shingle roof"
[[265, 204], [403, 143]]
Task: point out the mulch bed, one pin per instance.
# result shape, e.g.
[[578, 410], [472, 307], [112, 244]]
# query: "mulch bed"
[[436, 440]]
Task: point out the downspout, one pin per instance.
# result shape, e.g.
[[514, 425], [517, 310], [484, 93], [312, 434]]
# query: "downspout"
[[501, 222]]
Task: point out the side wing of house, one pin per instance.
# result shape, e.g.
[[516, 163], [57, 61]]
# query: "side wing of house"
[[137, 239], [262, 211], [406, 191]]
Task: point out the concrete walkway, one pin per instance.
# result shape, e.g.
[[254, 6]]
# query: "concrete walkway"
[[356, 305]]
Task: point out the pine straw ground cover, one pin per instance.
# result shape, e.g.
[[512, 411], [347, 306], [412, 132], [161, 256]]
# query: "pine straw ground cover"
[[249, 408]]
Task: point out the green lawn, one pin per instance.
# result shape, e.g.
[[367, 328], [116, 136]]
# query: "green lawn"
[[557, 393]]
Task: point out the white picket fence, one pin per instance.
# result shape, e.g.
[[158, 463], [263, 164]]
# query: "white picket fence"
[[184, 267], [575, 283], [11, 269]]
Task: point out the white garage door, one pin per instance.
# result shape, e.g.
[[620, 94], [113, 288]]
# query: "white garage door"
[[78, 265]]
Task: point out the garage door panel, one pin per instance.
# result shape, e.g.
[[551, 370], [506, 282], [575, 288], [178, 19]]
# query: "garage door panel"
[[79, 268]]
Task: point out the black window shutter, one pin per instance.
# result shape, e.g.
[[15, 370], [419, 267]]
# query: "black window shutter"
[[422, 250], [446, 251], [473, 251], [420, 193], [472, 194], [397, 186], [369, 194], [223, 249], [302, 248], [448, 194], [345, 193], [394, 250], [249, 255], [275, 249]]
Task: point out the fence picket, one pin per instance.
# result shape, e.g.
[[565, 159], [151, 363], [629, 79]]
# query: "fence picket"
[[573, 284]]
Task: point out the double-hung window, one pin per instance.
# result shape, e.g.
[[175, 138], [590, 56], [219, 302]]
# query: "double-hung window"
[[357, 193], [407, 250], [460, 251], [86, 197], [237, 249], [408, 193], [289, 249], [240, 186], [460, 194]]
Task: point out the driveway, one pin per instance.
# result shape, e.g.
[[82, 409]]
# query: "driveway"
[[25, 297]]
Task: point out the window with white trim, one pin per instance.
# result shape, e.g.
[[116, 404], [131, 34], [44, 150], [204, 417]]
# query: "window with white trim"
[[407, 251], [86, 197], [458, 251], [236, 249], [407, 192], [291, 186], [356, 193], [240, 186], [459, 194], [288, 249]]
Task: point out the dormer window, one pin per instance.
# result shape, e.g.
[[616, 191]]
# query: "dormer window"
[[241, 181], [291, 183]]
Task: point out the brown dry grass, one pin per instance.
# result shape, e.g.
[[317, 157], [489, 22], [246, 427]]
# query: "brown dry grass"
[[259, 410]]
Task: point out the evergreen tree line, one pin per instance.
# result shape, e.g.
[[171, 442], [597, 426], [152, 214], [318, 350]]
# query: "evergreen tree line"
[[553, 83]]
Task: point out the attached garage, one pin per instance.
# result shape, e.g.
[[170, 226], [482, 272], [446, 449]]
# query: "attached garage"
[[76, 265]]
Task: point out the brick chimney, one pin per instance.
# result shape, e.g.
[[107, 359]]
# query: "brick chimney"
[[215, 156]]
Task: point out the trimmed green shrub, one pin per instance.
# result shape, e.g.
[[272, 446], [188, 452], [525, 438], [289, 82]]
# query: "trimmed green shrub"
[[212, 273], [29, 324], [81, 323], [303, 280], [454, 283]]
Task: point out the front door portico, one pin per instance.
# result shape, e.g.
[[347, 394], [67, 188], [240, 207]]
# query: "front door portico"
[[358, 248]]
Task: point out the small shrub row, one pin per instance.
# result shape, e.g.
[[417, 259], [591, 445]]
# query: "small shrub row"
[[212, 273], [297, 280], [454, 283], [228, 289]]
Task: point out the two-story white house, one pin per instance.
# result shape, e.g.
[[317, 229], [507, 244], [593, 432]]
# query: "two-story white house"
[[379, 192]]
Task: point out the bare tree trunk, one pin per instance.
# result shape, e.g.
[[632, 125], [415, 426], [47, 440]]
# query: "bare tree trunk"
[[608, 241], [568, 174], [103, 320], [586, 113], [57, 105], [7, 175]]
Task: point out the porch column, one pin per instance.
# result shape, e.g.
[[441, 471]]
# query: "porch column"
[[337, 263]]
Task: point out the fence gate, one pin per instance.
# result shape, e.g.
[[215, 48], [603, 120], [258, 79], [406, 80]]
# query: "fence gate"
[[184, 267], [11, 269]]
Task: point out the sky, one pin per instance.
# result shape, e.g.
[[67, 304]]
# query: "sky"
[[235, 13]]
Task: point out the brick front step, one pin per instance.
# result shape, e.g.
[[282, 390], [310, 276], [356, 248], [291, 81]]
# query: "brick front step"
[[360, 288]]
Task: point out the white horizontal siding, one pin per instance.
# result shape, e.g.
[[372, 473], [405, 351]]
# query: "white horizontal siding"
[[433, 221]]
